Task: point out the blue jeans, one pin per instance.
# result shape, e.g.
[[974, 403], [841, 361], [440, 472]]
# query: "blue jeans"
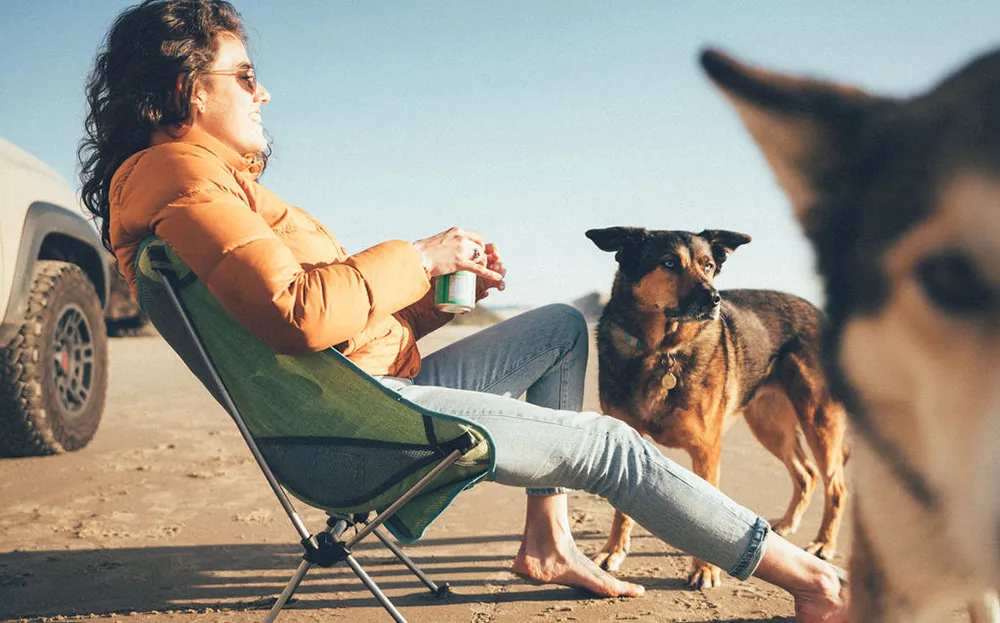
[[546, 362], [545, 442]]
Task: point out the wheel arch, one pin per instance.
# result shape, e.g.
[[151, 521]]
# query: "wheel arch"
[[52, 232]]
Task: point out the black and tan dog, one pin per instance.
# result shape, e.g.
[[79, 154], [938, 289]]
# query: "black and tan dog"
[[901, 199], [678, 360]]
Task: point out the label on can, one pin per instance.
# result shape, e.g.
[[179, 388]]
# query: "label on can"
[[455, 293]]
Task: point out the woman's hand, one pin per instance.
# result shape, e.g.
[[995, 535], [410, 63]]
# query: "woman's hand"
[[460, 249], [493, 262]]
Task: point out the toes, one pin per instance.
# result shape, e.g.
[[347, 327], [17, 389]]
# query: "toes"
[[626, 589], [634, 590]]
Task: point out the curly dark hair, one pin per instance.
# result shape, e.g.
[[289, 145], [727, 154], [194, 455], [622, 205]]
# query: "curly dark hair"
[[132, 89]]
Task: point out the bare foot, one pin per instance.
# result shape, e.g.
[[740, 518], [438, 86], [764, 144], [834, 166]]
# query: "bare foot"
[[548, 554], [820, 590], [827, 603], [575, 570]]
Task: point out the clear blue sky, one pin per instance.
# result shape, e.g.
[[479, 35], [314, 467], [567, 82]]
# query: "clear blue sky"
[[530, 121]]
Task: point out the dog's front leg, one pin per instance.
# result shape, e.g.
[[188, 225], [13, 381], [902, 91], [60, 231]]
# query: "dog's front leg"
[[706, 462], [618, 544]]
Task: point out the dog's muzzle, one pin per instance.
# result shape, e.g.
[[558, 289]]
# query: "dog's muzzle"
[[703, 304]]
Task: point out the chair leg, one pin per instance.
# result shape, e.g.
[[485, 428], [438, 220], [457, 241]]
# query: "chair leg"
[[286, 594], [332, 551], [356, 567], [335, 526], [375, 590], [440, 591]]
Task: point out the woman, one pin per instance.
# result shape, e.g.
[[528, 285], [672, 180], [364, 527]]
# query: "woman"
[[174, 147]]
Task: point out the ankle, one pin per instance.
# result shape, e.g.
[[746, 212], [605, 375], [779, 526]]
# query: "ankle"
[[798, 572], [546, 547], [546, 524]]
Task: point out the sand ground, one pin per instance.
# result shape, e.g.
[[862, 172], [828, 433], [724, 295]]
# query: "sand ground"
[[165, 517]]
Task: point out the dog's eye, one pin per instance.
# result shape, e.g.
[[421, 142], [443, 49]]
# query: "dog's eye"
[[952, 282], [709, 267], [669, 263]]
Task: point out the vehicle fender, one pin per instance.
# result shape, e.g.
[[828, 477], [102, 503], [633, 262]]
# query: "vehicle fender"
[[52, 232]]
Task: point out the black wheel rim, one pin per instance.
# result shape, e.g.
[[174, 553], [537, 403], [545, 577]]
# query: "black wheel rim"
[[73, 360]]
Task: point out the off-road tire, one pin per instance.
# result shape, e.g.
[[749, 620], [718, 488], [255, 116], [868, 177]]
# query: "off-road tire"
[[54, 374]]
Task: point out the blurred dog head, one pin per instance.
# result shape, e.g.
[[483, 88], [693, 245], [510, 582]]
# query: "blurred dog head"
[[669, 272], [901, 200]]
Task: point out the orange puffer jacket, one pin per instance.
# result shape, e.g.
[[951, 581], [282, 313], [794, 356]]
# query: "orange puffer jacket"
[[274, 267]]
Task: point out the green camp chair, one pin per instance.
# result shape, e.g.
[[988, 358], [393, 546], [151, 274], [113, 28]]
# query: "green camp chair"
[[319, 427]]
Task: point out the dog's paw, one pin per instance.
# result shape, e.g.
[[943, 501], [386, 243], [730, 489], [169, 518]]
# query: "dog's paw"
[[821, 549], [704, 575], [610, 561], [783, 526]]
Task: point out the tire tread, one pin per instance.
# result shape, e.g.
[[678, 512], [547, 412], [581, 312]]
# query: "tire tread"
[[26, 428]]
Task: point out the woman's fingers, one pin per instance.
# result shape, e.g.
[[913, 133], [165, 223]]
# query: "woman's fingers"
[[493, 260], [449, 250], [461, 249], [482, 271]]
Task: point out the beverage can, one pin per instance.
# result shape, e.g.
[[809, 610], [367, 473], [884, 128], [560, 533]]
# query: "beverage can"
[[455, 293]]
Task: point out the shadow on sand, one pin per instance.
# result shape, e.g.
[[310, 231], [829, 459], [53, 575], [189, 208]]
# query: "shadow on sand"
[[49, 583]]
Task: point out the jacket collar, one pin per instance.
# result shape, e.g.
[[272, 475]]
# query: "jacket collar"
[[191, 135]]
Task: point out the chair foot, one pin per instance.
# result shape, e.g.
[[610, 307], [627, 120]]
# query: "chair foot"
[[443, 591]]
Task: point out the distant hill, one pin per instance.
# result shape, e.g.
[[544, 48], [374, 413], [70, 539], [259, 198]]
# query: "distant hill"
[[478, 316], [591, 305]]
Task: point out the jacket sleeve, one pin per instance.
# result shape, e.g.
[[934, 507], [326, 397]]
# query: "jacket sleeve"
[[202, 212], [423, 317]]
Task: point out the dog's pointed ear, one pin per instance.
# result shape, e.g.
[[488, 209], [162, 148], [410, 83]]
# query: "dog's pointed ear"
[[804, 127], [723, 243], [616, 238]]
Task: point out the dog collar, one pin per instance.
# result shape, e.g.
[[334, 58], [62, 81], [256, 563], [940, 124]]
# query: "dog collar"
[[669, 379], [628, 338], [633, 341]]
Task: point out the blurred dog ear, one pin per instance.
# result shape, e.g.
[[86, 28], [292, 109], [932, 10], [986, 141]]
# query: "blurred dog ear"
[[723, 243], [806, 128], [616, 238]]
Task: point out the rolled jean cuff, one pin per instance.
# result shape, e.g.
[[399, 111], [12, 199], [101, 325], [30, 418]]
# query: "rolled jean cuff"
[[754, 551], [548, 491]]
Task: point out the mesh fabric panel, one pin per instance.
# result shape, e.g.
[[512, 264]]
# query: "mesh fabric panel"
[[341, 474]]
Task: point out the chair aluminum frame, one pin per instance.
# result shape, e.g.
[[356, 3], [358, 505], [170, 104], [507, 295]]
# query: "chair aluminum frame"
[[327, 547]]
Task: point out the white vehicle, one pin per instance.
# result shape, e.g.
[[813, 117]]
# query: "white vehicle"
[[54, 285]]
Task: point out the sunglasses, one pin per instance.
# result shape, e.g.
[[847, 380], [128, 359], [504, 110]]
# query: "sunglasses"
[[245, 76]]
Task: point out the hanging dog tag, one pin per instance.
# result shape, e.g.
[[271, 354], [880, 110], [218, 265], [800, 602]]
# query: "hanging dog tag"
[[669, 381]]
